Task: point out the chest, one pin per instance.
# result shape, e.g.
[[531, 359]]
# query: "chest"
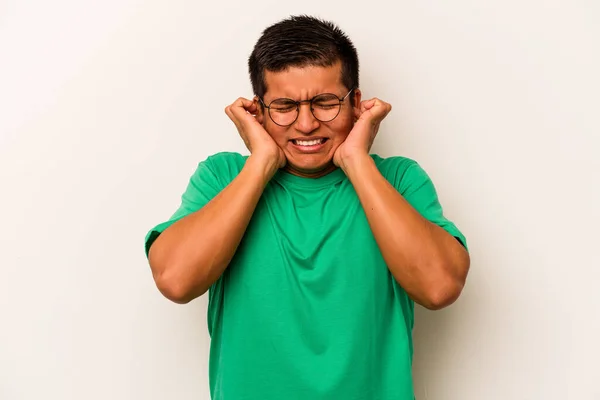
[[316, 245]]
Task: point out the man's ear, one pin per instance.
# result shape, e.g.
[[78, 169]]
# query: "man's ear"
[[356, 99], [260, 110]]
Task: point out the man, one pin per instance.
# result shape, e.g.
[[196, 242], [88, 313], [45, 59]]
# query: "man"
[[312, 251]]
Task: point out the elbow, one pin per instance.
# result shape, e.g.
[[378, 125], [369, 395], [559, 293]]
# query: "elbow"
[[443, 294], [449, 286], [173, 290], [173, 285], [442, 298], [179, 288]]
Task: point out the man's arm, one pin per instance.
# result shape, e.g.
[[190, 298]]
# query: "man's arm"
[[190, 255], [425, 260], [428, 262]]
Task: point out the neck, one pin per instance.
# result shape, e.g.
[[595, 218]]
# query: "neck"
[[310, 174]]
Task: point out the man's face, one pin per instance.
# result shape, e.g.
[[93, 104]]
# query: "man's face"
[[304, 157]]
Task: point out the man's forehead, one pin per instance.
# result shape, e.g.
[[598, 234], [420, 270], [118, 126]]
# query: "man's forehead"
[[303, 81]]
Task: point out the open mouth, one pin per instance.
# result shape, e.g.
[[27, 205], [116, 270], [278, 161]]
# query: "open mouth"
[[309, 143]]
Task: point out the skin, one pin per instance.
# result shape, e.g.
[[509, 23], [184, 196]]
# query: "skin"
[[305, 83], [191, 254]]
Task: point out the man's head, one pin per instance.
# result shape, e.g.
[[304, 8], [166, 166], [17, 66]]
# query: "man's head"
[[299, 58]]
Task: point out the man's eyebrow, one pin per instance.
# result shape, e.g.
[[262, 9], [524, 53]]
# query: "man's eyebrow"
[[289, 98]]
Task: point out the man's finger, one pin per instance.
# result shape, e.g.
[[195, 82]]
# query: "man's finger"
[[367, 104], [244, 111], [247, 105], [374, 111], [380, 108], [233, 117]]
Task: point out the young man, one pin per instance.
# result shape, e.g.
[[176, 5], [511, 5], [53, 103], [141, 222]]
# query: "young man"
[[312, 251]]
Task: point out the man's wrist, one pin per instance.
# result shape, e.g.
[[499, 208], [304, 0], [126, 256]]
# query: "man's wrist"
[[262, 169], [355, 163]]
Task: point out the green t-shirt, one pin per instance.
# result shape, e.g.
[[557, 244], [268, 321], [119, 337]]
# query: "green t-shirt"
[[307, 308]]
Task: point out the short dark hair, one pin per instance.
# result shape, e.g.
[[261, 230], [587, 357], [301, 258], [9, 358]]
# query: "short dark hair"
[[301, 41]]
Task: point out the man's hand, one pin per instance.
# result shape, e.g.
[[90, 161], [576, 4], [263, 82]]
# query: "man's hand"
[[361, 137], [262, 147]]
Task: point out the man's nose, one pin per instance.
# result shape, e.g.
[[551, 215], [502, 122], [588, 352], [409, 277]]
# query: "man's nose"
[[306, 121]]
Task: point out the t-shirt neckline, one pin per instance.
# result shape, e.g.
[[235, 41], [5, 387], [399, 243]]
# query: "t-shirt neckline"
[[331, 178]]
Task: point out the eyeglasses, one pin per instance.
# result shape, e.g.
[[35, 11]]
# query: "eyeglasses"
[[325, 107]]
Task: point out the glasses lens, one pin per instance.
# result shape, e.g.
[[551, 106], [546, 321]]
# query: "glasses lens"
[[326, 107], [283, 111]]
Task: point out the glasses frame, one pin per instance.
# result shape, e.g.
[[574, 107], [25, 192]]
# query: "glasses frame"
[[310, 101]]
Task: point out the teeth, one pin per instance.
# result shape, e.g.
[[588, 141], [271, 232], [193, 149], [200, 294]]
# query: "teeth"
[[308, 142]]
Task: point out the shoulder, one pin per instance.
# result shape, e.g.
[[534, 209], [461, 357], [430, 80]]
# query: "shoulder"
[[223, 164], [393, 163], [401, 172], [225, 161], [218, 170]]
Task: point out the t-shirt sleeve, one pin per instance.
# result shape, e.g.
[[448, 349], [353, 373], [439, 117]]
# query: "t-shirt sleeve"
[[206, 182], [417, 188]]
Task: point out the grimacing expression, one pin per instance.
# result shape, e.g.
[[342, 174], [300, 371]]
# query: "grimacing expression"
[[308, 144]]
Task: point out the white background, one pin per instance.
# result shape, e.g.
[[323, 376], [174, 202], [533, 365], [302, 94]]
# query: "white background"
[[107, 107]]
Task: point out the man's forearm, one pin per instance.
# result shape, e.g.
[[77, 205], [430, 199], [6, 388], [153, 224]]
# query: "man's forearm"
[[426, 261], [190, 255]]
